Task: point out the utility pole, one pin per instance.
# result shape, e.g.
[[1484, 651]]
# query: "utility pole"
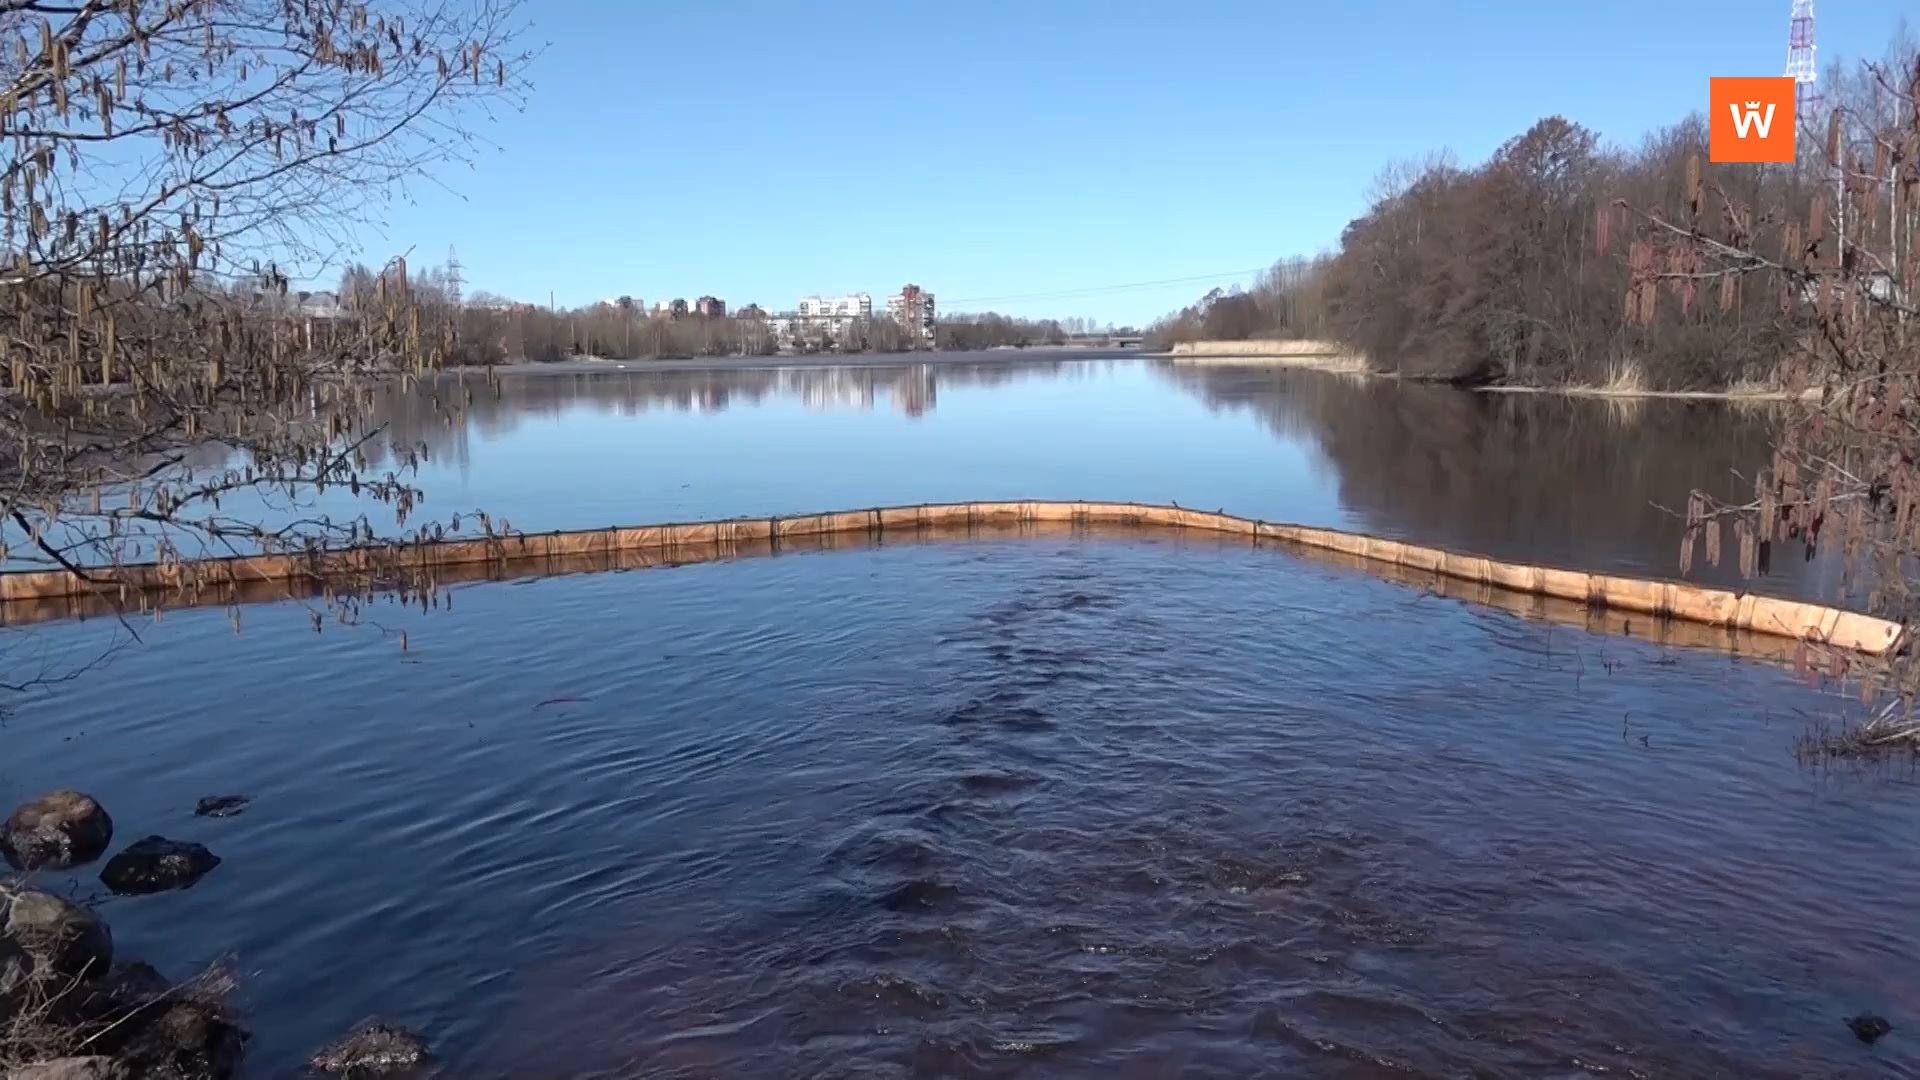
[[454, 280], [1801, 67]]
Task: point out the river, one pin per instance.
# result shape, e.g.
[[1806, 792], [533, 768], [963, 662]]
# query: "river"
[[1053, 806]]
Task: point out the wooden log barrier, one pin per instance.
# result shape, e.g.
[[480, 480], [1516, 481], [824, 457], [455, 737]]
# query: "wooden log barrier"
[[220, 580]]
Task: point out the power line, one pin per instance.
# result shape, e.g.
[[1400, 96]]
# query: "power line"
[[1099, 289]]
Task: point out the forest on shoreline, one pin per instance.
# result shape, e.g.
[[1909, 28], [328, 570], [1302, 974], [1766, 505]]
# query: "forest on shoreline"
[[488, 330], [1500, 273]]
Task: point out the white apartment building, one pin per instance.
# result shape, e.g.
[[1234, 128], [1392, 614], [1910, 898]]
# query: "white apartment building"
[[834, 318], [852, 305], [818, 317]]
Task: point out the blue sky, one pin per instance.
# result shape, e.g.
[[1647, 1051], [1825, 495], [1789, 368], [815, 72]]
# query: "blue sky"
[[761, 150]]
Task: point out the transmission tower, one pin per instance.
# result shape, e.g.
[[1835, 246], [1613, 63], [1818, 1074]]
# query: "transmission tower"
[[454, 280], [1802, 69]]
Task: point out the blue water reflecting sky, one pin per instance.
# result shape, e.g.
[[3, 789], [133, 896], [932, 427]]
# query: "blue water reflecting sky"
[[1565, 481], [1099, 430]]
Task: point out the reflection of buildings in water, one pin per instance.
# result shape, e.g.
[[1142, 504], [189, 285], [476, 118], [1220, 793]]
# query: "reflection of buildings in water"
[[914, 391], [822, 389], [440, 418], [483, 410], [910, 388]]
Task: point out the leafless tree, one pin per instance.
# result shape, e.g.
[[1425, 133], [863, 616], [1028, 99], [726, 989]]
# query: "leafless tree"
[[1842, 270], [170, 165]]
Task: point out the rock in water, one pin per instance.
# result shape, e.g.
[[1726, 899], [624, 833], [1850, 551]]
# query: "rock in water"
[[1869, 1028], [43, 936], [221, 805], [373, 1048], [73, 1068], [136, 982], [126, 989], [184, 1040], [157, 864], [55, 831]]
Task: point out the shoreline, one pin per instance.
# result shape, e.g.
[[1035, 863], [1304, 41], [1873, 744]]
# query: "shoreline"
[[1737, 397], [1324, 356], [1331, 359], [1288, 356], [1330, 365], [598, 366]]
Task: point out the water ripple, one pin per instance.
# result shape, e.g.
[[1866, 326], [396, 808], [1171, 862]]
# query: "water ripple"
[[1078, 809]]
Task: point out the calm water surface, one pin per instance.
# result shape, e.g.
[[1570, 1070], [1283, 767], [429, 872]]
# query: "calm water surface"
[[1575, 482], [1044, 807]]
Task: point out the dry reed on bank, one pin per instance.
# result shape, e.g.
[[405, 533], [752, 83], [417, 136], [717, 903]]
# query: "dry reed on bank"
[[101, 1013], [1892, 729]]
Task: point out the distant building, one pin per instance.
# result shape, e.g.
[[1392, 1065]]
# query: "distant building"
[[822, 321], [1876, 285], [912, 308], [670, 309], [710, 307], [324, 306], [852, 305], [751, 311], [312, 311]]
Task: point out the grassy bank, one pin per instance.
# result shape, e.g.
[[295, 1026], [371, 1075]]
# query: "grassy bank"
[[1310, 355]]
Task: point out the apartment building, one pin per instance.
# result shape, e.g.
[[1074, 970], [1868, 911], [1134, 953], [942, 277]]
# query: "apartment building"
[[912, 307]]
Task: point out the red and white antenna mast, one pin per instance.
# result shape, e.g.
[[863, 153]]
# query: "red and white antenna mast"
[[1801, 67]]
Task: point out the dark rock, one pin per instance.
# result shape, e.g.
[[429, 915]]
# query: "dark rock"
[[55, 831], [43, 936], [135, 982], [1869, 1028], [373, 1048], [73, 1068], [184, 1040], [157, 864], [126, 990], [16, 970], [221, 805]]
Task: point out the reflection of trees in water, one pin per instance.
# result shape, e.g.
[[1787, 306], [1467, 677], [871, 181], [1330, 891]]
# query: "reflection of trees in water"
[[913, 389], [1524, 476]]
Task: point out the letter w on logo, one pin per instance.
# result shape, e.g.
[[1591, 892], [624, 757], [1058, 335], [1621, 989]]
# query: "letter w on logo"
[[1747, 119]]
